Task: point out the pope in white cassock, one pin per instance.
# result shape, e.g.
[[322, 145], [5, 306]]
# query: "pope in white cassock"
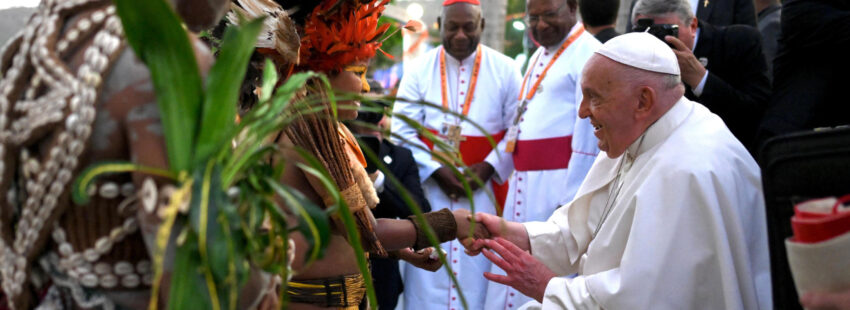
[[671, 215], [555, 148], [469, 79]]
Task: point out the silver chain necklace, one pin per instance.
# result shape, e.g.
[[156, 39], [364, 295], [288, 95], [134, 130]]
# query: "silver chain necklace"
[[609, 203]]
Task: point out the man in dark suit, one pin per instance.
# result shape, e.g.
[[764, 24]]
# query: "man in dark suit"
[[723, 68], [599, 17], [401, 165], [716, 12], [810, 67]]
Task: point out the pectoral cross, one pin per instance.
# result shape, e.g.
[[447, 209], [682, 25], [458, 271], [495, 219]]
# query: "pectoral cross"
[[705, 3], [520, 111], [454, 136]]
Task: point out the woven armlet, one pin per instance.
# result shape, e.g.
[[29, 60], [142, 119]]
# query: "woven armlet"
[[442, 222]]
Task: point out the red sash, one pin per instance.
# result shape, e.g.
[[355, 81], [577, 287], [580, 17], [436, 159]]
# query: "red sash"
[[543, 154], [474, 150]]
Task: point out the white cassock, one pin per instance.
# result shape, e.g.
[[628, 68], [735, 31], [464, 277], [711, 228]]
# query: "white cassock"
[[555, 148], [492, 107], [685, 227]]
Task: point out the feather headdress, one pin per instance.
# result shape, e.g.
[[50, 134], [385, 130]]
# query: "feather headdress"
[[339, 33]]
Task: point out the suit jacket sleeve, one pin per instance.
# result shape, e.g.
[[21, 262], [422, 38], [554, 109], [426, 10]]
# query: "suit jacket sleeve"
[[403, 170], [741, 96], [410, 180]]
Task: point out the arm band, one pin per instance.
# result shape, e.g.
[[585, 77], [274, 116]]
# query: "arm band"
[[442, 222]]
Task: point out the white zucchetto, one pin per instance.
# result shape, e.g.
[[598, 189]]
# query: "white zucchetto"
[[643, 51]]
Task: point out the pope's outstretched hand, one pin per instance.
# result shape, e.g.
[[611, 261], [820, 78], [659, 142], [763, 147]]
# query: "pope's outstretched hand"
[[523, 272]]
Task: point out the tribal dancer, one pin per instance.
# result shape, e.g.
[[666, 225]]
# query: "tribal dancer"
[[72, 95], [338, 38]]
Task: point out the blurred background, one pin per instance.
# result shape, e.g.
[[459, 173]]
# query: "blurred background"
[[505, 31]]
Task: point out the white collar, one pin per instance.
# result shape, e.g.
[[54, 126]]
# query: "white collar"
[[661, 129], [469, 60]]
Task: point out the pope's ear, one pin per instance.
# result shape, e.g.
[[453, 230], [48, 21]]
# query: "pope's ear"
[[647, 98]]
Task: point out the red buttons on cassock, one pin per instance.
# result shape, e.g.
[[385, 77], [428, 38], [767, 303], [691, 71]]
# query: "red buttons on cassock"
[[517, 214]]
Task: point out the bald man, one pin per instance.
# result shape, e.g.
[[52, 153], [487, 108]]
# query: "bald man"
[[466, 78], [671, 215]]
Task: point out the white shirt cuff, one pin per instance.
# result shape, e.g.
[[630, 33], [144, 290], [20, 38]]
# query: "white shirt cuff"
[[698, 90]]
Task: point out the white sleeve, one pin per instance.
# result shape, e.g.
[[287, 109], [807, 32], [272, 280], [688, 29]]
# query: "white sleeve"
[[502, 161], [406, 135], [552, 243]]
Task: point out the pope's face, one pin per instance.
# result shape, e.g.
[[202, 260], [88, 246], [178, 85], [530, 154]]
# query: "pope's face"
[[460, 29], [610, 103], [351, 80], [550, 20]]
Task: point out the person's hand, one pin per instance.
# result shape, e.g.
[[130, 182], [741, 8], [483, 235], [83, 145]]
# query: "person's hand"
[[421, 259], [448, 182], [523, 272], [492, 224], [692, 69], [464, 220], [826, 301], [483, 171]]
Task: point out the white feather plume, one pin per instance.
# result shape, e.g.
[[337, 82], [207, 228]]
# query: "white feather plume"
[[279, 31]]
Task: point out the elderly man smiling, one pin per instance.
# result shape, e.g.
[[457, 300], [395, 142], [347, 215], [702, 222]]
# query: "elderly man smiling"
[[671, 215]]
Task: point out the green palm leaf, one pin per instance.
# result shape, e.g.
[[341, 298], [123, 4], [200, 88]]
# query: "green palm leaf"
[[218, 115], [156, 35]]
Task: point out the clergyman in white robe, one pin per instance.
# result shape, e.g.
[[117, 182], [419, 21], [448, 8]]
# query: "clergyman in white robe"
[[492, 107]]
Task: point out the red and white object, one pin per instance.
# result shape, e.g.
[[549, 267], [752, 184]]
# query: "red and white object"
[[819, 251]]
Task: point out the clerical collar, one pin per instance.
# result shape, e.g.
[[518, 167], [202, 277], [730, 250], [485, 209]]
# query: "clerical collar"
[[469, 60], [554, 48], [661, 129]]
